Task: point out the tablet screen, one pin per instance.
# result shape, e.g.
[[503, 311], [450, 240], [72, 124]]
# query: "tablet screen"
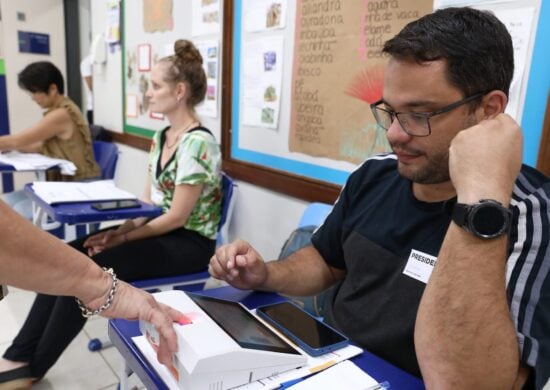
[[241, 325]]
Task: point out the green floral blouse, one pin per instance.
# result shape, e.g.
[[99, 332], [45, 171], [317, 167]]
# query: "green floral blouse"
[[196, 161]]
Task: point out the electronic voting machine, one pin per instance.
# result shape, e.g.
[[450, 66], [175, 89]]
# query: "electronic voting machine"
[[224, 345]]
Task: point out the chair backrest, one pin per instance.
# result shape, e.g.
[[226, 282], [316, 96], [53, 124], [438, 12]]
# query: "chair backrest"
[[229, 189], [106, 155], [315, 214]]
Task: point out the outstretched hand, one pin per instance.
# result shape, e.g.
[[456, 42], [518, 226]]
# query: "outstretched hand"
[[239, 265], [134, 304]]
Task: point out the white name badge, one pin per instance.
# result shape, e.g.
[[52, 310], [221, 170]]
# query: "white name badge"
[[420, 266]]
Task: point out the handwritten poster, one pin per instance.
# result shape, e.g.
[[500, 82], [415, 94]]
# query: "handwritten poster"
[[338, 71]]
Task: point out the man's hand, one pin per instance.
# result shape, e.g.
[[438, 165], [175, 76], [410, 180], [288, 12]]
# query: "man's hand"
[[484, 160], [134, 304], [239, 265]]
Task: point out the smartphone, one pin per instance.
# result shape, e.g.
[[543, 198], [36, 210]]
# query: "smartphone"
[[116, 204], [310, 334]]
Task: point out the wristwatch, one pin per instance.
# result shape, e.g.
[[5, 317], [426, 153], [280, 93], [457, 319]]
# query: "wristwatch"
[[485, 219]]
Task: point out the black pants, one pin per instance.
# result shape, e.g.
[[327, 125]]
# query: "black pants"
[[54, 322]]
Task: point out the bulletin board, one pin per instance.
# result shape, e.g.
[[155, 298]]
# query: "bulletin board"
[[296, 115], [150, 28]]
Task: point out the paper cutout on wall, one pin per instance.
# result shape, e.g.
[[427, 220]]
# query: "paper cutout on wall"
[[157, 15]]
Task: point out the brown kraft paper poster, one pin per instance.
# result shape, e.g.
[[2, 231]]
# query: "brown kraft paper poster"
[[338, 71]]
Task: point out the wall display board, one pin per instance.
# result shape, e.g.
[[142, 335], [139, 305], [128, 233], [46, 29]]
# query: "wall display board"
[[300, 93], [296, 115], [150, 28]]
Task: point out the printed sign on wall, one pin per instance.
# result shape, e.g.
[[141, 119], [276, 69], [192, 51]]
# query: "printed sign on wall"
[[31, 42]]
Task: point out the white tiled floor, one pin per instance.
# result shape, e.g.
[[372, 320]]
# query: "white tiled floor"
[[77, 368]]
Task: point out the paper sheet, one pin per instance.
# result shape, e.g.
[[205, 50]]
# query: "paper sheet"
[[345, 375], [314, 364], [66, 192], [36, 162]]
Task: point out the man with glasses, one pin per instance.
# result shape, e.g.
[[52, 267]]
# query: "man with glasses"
[[438, 251]]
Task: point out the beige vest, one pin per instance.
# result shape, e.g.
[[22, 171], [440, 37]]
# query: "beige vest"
[[77, 149]]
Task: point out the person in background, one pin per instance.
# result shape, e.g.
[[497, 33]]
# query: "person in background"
[[61, 133], [438, 251], [184, 179], [46, 265], [86, 72]]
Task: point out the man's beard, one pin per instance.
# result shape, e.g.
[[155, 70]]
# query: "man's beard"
[[435, 171], [437, 168]]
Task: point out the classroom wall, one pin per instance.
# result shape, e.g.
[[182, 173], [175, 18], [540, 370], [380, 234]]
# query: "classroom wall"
[[45, 16], [108, 76], [262, 217]]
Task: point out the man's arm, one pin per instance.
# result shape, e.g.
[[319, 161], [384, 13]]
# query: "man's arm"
[[464, 335], [302, 273]]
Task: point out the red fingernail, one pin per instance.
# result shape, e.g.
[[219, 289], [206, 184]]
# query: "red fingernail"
[[184, 320]]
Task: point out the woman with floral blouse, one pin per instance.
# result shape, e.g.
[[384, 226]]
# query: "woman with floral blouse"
[[184, 179]]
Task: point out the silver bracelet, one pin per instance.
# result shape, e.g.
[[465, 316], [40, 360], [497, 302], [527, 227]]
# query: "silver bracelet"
[[87, 312]]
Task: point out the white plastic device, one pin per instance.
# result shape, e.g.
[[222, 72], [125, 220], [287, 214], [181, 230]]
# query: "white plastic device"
[[224, 345]]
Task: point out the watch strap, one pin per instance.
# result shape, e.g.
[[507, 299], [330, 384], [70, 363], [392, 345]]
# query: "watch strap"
[[466, 216], [460, 214]]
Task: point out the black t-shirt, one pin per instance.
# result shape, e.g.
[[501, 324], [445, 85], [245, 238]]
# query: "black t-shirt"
[[370, 233], [377, 224]]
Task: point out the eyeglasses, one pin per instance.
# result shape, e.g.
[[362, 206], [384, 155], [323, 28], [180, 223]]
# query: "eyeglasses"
[[416, 124]]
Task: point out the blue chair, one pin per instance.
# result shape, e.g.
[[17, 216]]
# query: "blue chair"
[[106, 155], [314, 214], [229, 190], [193, 282]]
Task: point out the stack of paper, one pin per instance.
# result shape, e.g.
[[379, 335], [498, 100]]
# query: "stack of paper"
[[66, 192], [36, 162]]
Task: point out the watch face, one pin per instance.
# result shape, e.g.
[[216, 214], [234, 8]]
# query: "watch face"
[[488, 220]]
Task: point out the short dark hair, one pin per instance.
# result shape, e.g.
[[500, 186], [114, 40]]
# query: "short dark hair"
[[38, 76], [475, 44]]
